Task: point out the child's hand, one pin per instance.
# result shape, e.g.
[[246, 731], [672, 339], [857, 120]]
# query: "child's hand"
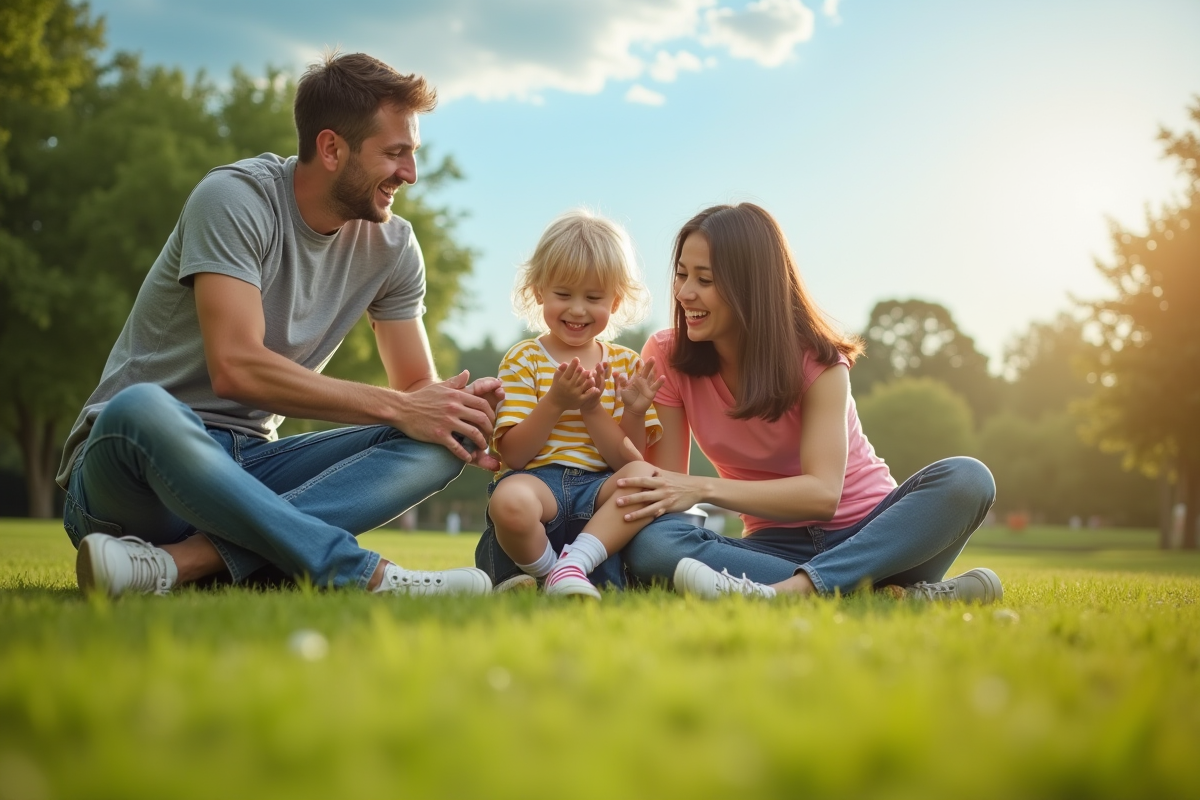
[[637, 392], [600, 376], [572, 387]]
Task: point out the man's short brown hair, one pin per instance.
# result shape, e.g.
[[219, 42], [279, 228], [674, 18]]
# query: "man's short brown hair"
[[343, 93]]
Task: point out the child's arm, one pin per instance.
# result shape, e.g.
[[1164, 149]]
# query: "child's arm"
[[572, 386], [637, 393]]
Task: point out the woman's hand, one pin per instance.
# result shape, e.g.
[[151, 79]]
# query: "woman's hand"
[[663, 493], [637, 391]]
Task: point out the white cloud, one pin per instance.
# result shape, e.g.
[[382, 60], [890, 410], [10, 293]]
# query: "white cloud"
[[666, 67], [830, 9], [526, 50], [767, 31], [647, 97], [494, 51]]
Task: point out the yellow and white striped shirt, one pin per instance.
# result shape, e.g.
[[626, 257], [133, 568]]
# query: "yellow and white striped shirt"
[[527, 373]]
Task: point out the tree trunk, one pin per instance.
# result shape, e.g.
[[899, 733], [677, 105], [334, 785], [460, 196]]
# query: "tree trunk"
[[1166, 508], [38, 446], [1192, 497]]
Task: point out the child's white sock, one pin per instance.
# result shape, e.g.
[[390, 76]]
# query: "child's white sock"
[[543, 565], [586, 552]]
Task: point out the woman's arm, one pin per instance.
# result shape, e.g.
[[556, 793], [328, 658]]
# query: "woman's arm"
[[812, 495]]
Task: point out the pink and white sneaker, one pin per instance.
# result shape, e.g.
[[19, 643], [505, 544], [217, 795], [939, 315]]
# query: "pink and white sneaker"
[[570, 579]]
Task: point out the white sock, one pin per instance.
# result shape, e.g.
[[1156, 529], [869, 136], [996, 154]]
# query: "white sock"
[[543, 565], [587, 552]]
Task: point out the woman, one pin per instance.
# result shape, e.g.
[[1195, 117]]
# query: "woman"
[[762, 381]]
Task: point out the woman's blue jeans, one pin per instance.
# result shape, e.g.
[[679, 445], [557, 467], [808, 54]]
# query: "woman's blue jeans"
[[913, 535], [150, 468]]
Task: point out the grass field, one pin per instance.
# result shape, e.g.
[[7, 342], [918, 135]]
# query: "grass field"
[[1084, 682]]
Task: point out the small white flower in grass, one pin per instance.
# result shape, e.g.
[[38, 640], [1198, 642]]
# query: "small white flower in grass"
[[968, 616], [838, 619], [499, 678], [1006, 616], [309, 645]]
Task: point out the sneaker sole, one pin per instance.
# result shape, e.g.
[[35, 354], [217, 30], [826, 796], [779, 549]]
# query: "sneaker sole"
[[683, 572], [996, 589], [573, 588], [85, 570], [517, 583]]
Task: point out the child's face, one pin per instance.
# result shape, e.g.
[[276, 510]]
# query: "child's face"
[[576, 315]]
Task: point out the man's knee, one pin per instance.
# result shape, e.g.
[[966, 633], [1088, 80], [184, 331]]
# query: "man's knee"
[[143, 406]]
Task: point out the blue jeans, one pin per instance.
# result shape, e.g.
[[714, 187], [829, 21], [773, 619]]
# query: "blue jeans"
[[914, 534], [150, 468], [575, 492]]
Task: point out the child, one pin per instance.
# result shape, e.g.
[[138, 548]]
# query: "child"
[[562, 429]]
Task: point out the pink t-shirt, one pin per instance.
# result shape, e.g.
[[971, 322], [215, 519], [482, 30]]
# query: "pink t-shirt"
[[757, 450]]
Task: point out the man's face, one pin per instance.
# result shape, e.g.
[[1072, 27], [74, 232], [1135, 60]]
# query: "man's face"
[[385, 162]]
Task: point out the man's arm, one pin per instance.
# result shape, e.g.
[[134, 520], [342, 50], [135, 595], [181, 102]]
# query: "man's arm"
[[243, 369]]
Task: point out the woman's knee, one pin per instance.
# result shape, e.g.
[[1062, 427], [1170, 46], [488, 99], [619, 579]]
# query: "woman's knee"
[[969, 479]]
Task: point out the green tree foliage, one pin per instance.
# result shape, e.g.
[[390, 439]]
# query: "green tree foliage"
[[1043, 468], [1046, 366], [912, 422], [1147, 367], [112, 169], [919, 339], [46, 50]]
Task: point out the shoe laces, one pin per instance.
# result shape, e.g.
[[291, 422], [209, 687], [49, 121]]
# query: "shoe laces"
[[148, 565], [415, 578], [934, 591], [728, 584]]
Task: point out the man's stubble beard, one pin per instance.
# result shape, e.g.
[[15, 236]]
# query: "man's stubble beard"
[[353, 195]]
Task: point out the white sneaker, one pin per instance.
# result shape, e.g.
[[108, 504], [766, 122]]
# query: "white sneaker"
[[979, 585], [116, 566], [568, 581], [694, 577], [463, 580], [520, 582]]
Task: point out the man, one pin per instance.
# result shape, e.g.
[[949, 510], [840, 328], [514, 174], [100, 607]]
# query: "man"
[[173, 471]]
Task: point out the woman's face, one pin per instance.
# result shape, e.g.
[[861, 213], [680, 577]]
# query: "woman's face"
[[709, 318]]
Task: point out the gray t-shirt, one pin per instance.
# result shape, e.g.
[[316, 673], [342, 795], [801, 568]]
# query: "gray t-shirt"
[[242, 220]]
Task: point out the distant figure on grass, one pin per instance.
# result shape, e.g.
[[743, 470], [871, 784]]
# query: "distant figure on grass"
[[762, 381], [563, 428], [272, 262]]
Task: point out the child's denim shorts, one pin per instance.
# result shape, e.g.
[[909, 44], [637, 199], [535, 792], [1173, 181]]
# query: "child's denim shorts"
[[575, 492]]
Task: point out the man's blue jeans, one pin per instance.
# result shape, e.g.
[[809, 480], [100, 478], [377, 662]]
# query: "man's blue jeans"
[[913, 535], [150, 468]]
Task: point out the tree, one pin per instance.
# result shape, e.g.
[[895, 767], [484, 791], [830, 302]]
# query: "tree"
[[912, 422], [1043, 468], [74, 252], [1046, 367], [1147, 367], [919, 339]]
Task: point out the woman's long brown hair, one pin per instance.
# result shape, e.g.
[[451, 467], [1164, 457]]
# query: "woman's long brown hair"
[[755, 273]]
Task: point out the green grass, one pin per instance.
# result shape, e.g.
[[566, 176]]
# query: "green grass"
[[1084, 682]]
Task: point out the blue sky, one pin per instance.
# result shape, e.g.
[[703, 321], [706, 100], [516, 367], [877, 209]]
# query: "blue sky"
[[961, 152]]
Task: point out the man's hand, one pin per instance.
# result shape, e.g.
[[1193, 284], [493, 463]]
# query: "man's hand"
[[491, 390], [637, 391], [438, 411], [573, 387]]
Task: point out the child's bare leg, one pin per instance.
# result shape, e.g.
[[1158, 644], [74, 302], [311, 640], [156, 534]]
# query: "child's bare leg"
[[604, 534], [520, 506]]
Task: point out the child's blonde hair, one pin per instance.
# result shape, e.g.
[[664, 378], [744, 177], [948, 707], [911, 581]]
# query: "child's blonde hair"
[[573, 247]]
